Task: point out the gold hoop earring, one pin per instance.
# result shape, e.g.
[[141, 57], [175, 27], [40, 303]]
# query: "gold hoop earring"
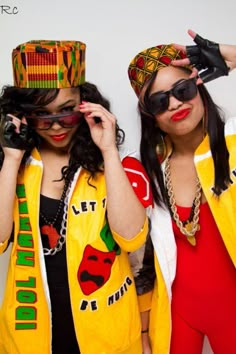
[[161, 149]]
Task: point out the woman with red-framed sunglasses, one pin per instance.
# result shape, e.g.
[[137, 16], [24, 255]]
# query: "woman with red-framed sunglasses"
[[73, 207], [188, 150]]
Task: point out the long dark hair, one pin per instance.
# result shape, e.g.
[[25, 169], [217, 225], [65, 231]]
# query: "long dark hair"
[[151, 135], [83, 151]]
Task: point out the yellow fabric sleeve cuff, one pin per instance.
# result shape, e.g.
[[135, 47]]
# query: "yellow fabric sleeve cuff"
[[3, 246], [145, 301], [136, 242]]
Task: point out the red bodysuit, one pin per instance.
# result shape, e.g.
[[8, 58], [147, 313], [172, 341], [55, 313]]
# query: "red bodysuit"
[[204, 290]]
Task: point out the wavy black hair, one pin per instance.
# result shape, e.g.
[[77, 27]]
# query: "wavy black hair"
[[151, 135], [83, 151]]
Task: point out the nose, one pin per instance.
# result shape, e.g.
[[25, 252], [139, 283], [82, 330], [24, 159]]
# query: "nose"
[[174, 103], [55, 126]]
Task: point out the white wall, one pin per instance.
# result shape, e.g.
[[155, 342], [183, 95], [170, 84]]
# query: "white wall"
[[114, 32]]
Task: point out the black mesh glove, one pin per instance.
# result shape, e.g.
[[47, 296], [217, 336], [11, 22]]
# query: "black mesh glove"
[[206, 57], [10, 138]]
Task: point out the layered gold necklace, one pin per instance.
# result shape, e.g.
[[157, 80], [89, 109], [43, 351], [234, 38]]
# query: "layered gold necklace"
[[190, 226]]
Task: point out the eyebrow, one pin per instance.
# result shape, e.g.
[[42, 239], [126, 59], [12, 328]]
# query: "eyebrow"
[[43, 108], [72, 100]]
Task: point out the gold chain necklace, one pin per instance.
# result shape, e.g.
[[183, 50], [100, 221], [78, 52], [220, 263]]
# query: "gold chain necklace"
[[192, 226]]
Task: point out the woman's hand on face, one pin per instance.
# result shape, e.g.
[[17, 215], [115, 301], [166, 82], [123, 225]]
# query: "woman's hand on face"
[[211, 60], [102, 125], [228, 51], [186, 61], [183, 48], [15, 137]]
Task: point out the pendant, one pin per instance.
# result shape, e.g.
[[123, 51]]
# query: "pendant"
[[189, 227], [191, 240], [52, 234]]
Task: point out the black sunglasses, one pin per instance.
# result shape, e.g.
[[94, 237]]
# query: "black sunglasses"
[[185, 90], [45, 122]]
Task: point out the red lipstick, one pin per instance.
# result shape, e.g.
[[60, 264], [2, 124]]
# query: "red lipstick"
[[58, 137], [180, 114]]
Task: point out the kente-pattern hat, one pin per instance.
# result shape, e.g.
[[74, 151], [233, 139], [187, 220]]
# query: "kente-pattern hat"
[[150, 60], [49, 64]]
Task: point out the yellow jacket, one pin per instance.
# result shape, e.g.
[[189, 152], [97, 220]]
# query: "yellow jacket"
[[224, 213], [106, 315]]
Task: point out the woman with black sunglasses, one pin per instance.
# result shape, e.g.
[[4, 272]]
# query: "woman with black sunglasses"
[[188, 151], [68, 206]]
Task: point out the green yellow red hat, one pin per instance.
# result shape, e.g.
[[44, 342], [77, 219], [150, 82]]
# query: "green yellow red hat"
[[49, 64], [150, 60]]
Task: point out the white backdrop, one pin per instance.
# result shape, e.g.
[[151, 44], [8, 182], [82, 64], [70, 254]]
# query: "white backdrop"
[[114, 32]]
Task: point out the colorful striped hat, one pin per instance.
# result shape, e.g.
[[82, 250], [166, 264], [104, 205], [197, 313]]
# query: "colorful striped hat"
[[49, 64], [150, 60]]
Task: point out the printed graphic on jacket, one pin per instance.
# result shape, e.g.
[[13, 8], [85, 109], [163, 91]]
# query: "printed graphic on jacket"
[[26, 288], [95, 267], [139, 180]]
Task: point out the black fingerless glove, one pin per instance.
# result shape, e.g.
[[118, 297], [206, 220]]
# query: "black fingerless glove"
[[10, 138], [206, 57]]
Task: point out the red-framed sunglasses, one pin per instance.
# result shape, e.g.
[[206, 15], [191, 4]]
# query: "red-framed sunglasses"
[[65, 120]]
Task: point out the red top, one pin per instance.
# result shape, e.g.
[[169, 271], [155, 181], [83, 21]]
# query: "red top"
[[205, 276]]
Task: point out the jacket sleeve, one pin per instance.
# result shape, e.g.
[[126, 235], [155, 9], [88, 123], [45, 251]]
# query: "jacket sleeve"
[[143, 269], [4, 245], [136, 242], [142, 259]]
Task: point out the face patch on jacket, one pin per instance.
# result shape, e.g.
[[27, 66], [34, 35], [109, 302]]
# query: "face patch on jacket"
[[95, 269]]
